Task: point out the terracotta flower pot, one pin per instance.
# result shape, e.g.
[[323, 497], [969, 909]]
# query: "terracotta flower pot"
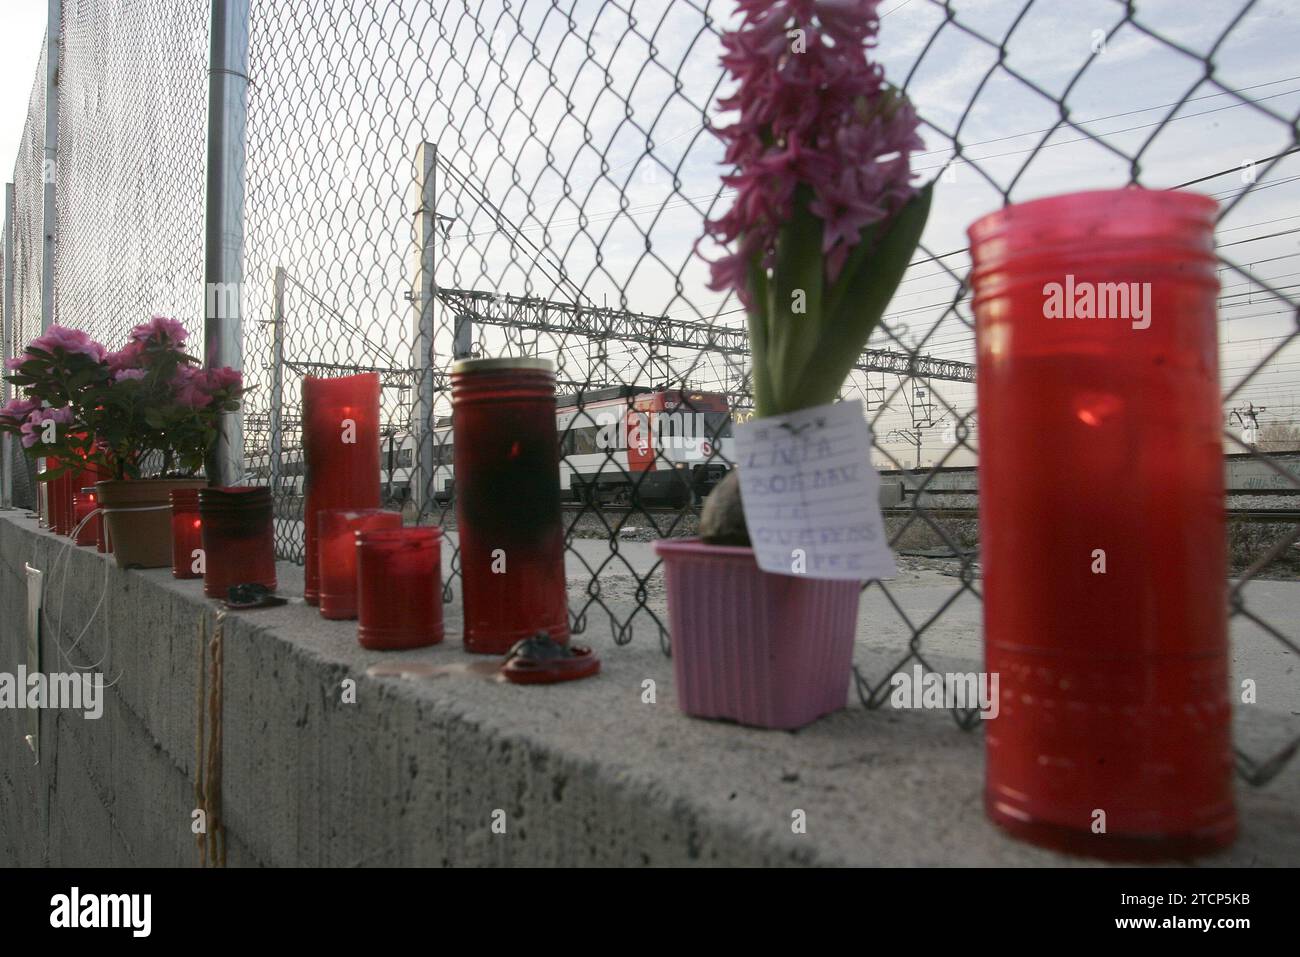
[[775, 651], [138, 519]]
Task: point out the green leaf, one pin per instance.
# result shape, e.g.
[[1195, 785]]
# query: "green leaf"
[[859, 298], [797, 271], [757, 320]]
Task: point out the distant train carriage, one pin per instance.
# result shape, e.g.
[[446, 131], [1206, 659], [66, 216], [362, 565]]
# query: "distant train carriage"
[[653, 447]]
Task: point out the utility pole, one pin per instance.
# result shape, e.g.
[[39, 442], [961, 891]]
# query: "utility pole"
[[1249, 433]]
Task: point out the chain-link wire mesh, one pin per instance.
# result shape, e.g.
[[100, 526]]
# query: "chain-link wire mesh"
[[533, 177], [27, 244], [129, 173]]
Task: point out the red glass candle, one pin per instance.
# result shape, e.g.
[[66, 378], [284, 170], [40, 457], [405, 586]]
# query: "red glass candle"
[[1102, 525], [72, 484], [508, 502], [53, 498], [341, 452], [338, 555], [87, 501], [238, 538], [187, 534], [399, 587]]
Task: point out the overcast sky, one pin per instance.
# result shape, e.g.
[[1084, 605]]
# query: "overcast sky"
[[22, 27]]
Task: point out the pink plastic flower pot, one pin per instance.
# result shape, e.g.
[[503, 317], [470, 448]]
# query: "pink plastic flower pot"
[[774, 651]]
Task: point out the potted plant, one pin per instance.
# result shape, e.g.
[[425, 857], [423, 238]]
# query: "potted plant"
[[824, 223], [148, 407]]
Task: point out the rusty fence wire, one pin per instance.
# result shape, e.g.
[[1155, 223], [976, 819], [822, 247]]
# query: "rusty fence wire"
[[434, 180]]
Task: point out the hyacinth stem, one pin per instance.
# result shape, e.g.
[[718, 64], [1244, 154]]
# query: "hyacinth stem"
[[801, 359]]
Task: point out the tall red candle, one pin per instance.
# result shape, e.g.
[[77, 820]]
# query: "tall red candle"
[[72, 484], [507, 495], [399, 587], [86, 502], [1102, 525], [341, 450], [238, 538], [338, 555], [187, 534]]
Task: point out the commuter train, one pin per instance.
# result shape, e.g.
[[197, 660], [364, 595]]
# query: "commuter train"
[[618, 446]]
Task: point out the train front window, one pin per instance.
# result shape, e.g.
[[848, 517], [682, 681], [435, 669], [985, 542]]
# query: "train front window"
[[717, 425]]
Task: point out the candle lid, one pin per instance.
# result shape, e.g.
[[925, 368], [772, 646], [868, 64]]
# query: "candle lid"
[[502, 364]]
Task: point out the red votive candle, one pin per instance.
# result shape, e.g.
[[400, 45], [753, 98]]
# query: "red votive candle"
[[72, 485], [53, 498], [341, 451], [338, 555], [87, 501], [238, 538], [508, 502], [399, 587], [1102, 524], [187, 534]]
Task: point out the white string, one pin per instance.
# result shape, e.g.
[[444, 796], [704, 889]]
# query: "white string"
[[58, 629]]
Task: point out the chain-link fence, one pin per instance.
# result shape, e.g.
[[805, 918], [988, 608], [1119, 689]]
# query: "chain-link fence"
[[531, 178]]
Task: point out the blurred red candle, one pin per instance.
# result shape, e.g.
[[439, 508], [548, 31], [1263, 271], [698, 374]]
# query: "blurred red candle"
[[238, 538], [187, 534], [399, 587], [507, 495], [85, 503], [338, 555], [1102, 524], [341, 450]]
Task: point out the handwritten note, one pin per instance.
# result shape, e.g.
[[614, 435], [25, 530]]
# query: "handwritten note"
[[811, 495]]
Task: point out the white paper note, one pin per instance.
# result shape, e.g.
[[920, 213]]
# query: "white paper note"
[[811, 495]]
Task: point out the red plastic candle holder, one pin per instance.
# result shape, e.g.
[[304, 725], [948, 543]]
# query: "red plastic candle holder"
[[87, 501], [1102, 523], [399, 587], [341, 452], [238, 538], [507, 495], [187, 534], [338, 555]]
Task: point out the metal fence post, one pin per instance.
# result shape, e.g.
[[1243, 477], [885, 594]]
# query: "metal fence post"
[[53, 34], [7, 324], [274, 445], [422, 294], [223, 243]]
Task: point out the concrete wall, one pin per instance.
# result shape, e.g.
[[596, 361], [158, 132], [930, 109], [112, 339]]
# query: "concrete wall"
[[412, 772]]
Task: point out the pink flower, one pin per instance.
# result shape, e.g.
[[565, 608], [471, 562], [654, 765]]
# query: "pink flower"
[[17, 409], [223, 379], [58, 339], [190, 385], [162, 331], [33, 430], [122, 375], [13, 364], [817, 121], [128, 357], [197, 388]]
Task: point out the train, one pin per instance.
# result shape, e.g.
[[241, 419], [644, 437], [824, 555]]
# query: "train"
[[623, 445]]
